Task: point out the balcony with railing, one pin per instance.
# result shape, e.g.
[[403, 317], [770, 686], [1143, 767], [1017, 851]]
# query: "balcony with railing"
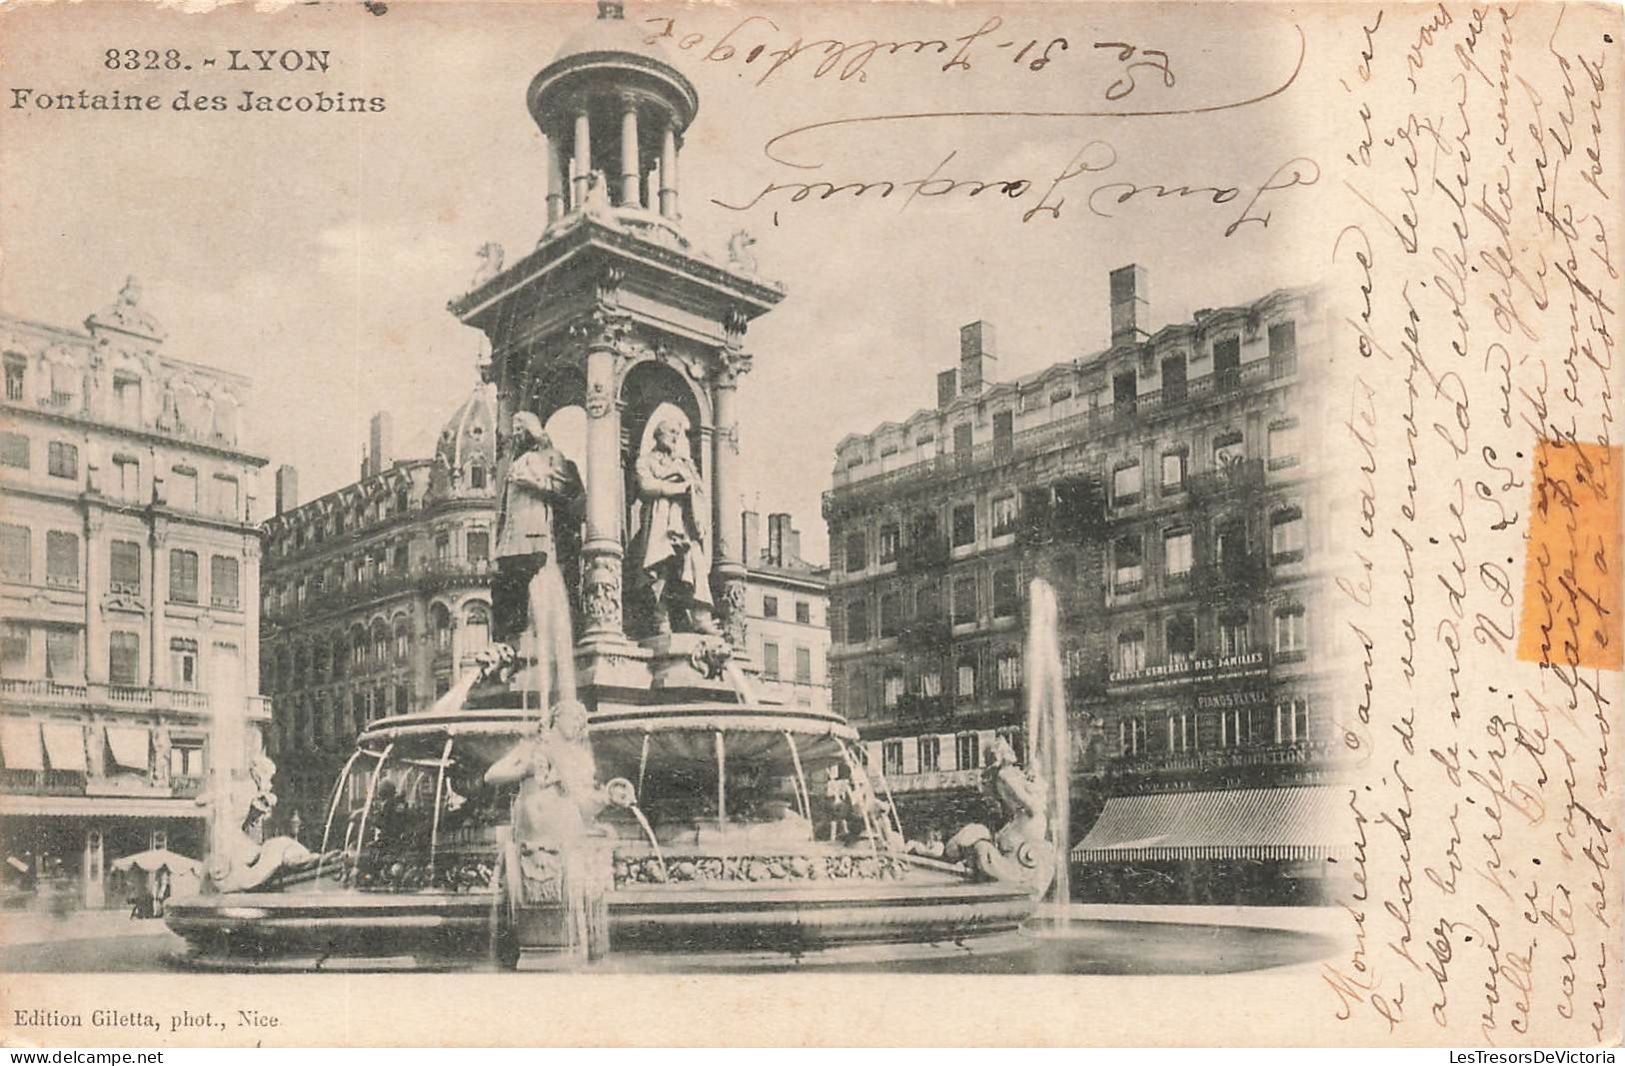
[[1236, 574], [430, 575], [1239, 477], [44, 691], [915, 709]]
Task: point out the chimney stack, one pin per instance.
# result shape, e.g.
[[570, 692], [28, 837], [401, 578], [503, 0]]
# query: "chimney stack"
[[1131, 311], [751, 541], [947, 388], [287, 488], [978, 359], [778, 526], [792, 547], [382, 437]]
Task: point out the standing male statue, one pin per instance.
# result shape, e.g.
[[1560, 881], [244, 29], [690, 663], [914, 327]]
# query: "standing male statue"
[[671, 541], [528, 592]]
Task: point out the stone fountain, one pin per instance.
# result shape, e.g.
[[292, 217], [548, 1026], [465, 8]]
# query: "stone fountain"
[[608, 779]]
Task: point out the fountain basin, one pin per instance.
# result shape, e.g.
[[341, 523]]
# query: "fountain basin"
[[739, 842]]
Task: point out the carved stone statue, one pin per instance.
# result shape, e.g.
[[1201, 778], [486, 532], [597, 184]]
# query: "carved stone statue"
[[740, 256], [1020, 851], [490, 256], [540, 484], [248, 860], [670, 546]]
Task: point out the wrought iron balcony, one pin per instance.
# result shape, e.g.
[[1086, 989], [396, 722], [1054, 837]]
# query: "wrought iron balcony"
[[1238, 573], [913, 707]]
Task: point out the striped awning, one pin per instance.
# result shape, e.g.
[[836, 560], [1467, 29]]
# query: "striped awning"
[[20, 744], [1309, 822], [130, 746]]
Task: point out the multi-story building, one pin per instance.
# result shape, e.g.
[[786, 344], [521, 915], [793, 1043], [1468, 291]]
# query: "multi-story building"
[[787, 607], [129, 591], [1164, 487], [375, 597]]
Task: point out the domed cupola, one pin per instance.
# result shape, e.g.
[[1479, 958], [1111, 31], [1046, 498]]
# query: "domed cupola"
[[613, 111], [467, 447]]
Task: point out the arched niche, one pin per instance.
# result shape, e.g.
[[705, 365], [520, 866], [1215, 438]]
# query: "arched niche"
[[561, 386]]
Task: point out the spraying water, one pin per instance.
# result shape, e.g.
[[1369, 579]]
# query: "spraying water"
[[1048, 738]]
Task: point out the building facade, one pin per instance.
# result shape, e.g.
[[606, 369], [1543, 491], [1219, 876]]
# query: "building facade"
[[376, 596], [787, 606], [129, 591], [1165, 487]]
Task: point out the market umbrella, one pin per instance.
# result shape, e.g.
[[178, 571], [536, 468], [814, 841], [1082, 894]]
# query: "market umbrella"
[[156, 859]]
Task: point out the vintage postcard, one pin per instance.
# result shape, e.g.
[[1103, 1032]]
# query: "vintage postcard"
[[822, 523]]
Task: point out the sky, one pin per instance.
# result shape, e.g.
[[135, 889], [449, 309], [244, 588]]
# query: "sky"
[[316, 253]]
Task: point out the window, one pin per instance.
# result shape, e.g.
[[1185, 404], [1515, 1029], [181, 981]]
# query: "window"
[[13, 649], [857, 551], [226, 501], [1004, 515], [804, 666], [182, 576], [962, 439], [1181, 634], [1009, 671], [1234, 727], [803, 612], [1006, 594], [770, 660], [891, 614], [440, 619], [127, 478], [891, 757], [403, 699], [1291, 721], [857, 622], [124, 658], [966, 679], [1181, 732], [62, 559], [62, 459], [401, 558], [1286, 535], [968, 751], [16, 371], [1234, 638], [1004, 425], [891, 688], [183, 663], [890, 538], [927, 603], [1126, 485], [1173, 471], [1131, 736], [930, 753], [1227, 363], [442, 546], [1173, 379], [1291, 632], [14, 450], [770, 606], [1125, 391], [931, 682], [183, 488], [1230, 542], [1283, 349], [127, 398], [186, 758], [124, 569], [1131, 651], [380, 643], [964, 525], [1229, 448], [1176, 552], [1128, 569], [16, 553], [964, 601], [476, 477], [62, 661], [479, 546], [1283, 445]]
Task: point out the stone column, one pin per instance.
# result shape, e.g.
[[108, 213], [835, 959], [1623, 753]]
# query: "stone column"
[[728, 581], [604, 546], [583, 146], [555, 177], [157, 632], [631, 170], [668, 171]]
